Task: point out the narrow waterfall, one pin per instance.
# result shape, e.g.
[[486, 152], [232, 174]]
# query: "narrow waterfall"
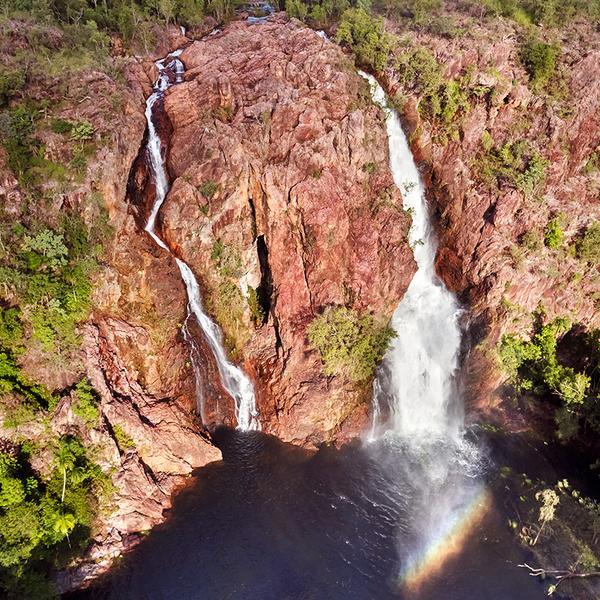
[[416, 408], [235, 382]]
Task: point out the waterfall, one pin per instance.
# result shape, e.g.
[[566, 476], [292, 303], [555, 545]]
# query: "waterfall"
[[416, 409], [418, 371], [235, 382]]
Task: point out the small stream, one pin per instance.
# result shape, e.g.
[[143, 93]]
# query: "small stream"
[[235, 382]]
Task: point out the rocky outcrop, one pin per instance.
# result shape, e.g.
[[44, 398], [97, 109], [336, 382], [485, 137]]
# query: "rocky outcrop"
[[282, 202], [147, 437], [491, 248], [135, 357]]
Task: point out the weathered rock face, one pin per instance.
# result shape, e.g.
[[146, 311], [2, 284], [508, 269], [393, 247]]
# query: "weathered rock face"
[[148, 437], [483, 254], [283, 203], [136, 359]]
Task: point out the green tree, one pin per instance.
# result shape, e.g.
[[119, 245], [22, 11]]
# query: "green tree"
[[296, 9], [553, 233], [589, 247], [367, 38], [539, 60], [350, 344]]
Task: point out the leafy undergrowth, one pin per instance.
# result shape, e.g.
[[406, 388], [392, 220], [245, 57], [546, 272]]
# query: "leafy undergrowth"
[[45, 520], [350, 344], [560, 363]]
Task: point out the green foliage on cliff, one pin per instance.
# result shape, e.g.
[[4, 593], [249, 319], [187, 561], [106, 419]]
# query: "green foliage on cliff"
[[226, 302], [515, 164], [86, 404], [589, 247], [539, 60], [535, 365], [13, 381], [123, 16], [42, 514], [553, 233], [45, 278], [256, 310], [350, 344], [443, 102], [124, 442], [546, 12], [208, 188], [367, 38]]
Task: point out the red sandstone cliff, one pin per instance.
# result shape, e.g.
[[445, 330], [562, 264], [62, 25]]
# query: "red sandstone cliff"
[[281, 184], [491, 248]]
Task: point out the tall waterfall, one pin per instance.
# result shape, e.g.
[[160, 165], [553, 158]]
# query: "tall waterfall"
[[235, 382], [418, 371], [415, 401]]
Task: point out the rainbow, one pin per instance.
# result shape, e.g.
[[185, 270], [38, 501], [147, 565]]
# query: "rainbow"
[[448, 543]]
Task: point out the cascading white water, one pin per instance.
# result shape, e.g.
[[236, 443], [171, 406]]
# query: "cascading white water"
[[415, 404], [418, 371], [235, 382]]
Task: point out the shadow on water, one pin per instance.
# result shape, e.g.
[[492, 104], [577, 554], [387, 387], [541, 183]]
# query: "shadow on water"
[[273, 521]]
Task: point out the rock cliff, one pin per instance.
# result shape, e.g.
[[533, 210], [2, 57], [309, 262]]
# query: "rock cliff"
[[282, 203], [491, 229]]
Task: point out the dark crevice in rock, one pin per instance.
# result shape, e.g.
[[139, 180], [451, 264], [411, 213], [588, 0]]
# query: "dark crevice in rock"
[[278, 342], [265, 290], [253, 219], [141, 188]]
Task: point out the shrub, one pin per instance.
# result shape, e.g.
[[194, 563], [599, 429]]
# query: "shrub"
[[49, 244], [11, 329], [350, 345], [209, 188], [591, 166], [13, 381], [12, 82], [61, 126], [534, 365], [553, 233], [515, 164], [296, 9], [256, 310], [539, 60], [23, 150], [531, 240], [124, 442], [86, 405], [367, 38], [589, 246], [442, 101], [80, 132]]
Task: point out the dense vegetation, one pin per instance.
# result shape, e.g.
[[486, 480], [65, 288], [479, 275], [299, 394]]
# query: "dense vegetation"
[[350, 344], [45, 520], [132, 20], [559, 362]]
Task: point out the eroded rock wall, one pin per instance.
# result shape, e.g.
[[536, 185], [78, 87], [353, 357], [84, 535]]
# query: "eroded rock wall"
[[281, 188]]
